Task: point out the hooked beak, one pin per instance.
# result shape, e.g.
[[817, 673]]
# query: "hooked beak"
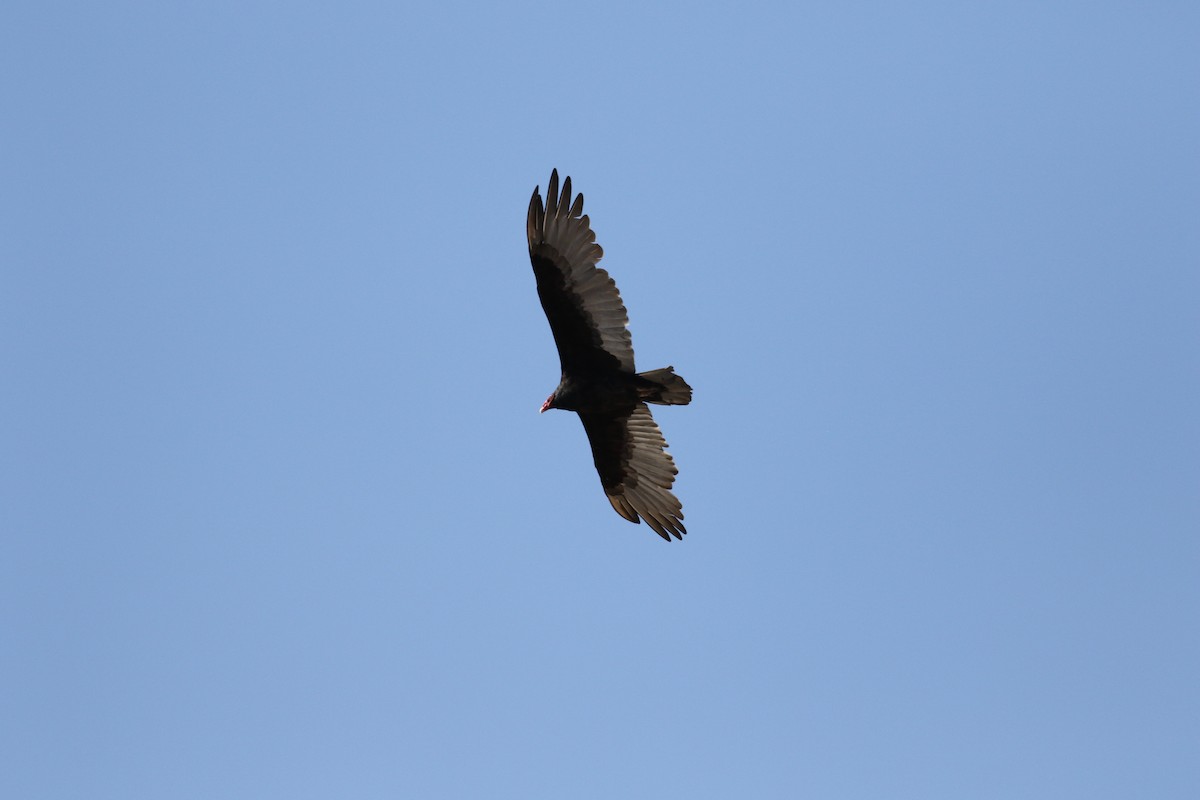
[[547, 405]]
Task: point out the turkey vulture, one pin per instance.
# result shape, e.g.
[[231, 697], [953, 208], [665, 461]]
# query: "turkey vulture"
[[591, 329]]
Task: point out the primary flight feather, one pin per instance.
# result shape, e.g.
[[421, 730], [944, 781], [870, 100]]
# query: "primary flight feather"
[[599, 382]]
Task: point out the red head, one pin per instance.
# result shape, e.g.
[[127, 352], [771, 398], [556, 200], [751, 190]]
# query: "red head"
[[549, 403]]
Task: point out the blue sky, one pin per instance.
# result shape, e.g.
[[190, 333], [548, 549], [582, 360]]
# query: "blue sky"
[[280, 517]]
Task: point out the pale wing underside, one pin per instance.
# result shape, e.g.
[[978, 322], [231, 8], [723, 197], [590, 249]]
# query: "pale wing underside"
[[640, 487]]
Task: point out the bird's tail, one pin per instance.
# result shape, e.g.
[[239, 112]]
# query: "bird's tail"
[[664, 387]]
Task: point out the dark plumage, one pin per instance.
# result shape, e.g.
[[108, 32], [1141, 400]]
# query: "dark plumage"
[[590, 327]]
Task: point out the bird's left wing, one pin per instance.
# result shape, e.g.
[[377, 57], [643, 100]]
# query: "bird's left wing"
[[581, 301]]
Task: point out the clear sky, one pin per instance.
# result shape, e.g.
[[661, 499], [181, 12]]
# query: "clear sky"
[[280, 518]]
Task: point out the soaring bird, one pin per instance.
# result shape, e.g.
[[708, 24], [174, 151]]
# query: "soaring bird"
[[599, 382]]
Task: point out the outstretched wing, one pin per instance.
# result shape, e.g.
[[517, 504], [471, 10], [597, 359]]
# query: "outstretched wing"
[[581, 301], [635, 469]]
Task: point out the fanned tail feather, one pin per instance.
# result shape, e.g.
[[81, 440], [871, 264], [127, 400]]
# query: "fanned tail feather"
[[664, 387]]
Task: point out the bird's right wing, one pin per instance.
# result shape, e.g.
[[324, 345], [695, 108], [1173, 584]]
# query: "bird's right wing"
[[581, 301], [635, 469]]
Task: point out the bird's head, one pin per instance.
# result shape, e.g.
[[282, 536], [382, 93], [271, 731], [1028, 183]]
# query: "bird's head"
[[549, 404]]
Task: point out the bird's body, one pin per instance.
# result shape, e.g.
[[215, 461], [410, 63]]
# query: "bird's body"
[[599, 382]]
